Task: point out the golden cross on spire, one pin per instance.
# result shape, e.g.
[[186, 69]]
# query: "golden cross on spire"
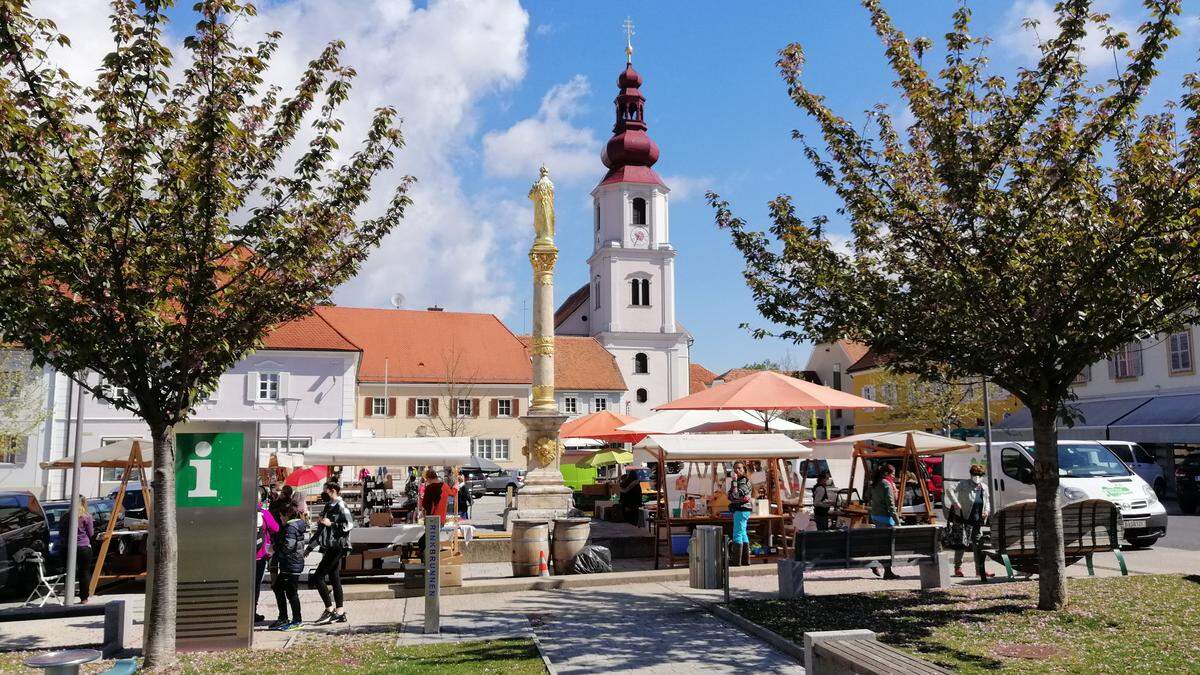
[[628, 26]]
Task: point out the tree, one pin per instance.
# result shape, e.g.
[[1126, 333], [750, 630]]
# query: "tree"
[[941, 404], [148, 231], [763, 364], [22, 402], [1017, 230], [456, 385]]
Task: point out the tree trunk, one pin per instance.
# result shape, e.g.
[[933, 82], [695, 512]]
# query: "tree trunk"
[[159, 645], [1052, 571]]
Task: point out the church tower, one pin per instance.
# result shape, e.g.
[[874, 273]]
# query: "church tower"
[[630, 306]]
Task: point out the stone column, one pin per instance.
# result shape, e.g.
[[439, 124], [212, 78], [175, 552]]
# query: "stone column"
[[544, 496]]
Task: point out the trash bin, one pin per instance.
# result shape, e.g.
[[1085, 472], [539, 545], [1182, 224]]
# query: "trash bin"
[[705, 559]]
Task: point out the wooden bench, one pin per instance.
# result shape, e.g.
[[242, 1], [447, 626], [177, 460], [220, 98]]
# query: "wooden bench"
[[118, 623], [839, 652], [859, 547], [1089, 527]]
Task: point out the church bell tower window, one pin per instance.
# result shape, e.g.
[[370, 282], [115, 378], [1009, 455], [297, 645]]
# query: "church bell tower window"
[[639, 211], [639, 292]]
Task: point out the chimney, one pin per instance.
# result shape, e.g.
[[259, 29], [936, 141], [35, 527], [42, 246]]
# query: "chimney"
[[435, 308]]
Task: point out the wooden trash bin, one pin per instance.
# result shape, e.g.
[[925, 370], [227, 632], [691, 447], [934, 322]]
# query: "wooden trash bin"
[[570, 536], [530, 542]]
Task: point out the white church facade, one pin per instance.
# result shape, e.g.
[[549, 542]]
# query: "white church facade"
[[629, 303]]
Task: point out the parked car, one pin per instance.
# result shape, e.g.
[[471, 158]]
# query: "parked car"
[[1142, 462], [475, 480], [134, 503], [57, 510], [1187, 482], [498, 483], [22, 526]]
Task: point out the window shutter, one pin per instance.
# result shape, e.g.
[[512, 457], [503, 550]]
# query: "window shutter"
[[412, 407], [391, 406], [252, 386], [367, 402], [433, 407], [474, 407], [453, 411], [283, 385], [493, 407], [516, 407]]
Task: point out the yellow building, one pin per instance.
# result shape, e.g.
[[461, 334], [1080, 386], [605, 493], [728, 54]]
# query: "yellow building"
[[916, 405]]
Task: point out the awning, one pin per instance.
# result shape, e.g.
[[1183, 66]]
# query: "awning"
[[1169, 418], [728, 447], [706, 421], [409, 451], [1091, 423], [113, 455], [925, 443]]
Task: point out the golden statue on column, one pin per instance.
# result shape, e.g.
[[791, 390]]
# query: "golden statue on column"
[[544, 496]]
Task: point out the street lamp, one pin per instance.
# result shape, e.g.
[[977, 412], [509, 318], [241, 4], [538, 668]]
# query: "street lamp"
[[287, 420]]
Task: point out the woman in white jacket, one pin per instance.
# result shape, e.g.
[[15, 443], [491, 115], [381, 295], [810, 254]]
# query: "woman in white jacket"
[[969, 505]]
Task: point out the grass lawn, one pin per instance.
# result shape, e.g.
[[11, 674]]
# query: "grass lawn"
[[1136, 624], [369, 654]]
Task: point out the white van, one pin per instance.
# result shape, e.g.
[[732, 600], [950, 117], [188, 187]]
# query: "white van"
[[1087, 470]]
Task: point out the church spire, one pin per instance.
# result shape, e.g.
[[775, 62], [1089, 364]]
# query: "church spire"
[[630, 153]]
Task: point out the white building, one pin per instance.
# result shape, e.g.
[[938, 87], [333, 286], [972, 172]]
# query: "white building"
[[629, 303]]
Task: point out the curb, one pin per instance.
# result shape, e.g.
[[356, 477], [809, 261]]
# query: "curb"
[[765, 634], [537, 642], [522, 584]]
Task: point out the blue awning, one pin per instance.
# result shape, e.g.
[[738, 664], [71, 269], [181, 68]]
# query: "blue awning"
[[1169, 418], [1092, 420]]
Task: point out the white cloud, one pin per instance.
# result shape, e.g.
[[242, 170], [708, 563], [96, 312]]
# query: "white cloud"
[[543, 29], [549, 138], [686, 188], [1025, 42]]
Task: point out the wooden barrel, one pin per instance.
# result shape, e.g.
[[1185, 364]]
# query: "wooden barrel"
[[570, 536], [529, 538]]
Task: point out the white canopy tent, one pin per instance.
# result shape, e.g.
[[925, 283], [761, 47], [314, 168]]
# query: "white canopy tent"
[[924, 442], [113, 455], [701, 421], [722, 447], [414, 451]]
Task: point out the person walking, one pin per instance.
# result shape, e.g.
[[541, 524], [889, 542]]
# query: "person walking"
[[288, 559], [333, 538], [268, 526], [970, 508], [823, 500], [433, 502], [740, 507], [465, 499], [884, 512], [84, 560]]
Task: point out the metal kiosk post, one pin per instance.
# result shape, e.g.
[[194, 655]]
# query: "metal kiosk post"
[[433, 618]]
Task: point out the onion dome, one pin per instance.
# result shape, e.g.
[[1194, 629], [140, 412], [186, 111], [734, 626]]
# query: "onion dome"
[[630, 153]]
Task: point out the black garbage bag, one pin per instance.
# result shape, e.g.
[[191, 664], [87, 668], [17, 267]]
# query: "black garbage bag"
[[591, 560]]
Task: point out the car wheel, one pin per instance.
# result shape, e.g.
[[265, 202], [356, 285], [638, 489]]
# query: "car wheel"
[[1142, 542], [1187, 505], [1160, 488]]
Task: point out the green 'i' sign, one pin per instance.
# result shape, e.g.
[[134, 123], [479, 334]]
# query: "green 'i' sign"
[[208, 470]]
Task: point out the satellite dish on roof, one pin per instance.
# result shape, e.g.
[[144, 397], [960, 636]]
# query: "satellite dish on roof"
[[397, 300]]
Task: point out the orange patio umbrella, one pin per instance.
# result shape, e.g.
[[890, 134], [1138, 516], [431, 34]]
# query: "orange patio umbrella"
[[601, 426], [769, 394]]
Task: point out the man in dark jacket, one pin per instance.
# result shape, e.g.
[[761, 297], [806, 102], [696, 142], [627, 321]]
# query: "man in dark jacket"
[[289, 552], [333, 538]]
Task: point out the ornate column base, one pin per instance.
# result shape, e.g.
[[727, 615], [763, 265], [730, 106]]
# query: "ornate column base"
[[545, 496]]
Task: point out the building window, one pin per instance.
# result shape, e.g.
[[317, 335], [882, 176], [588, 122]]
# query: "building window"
[[422, 408], [13, 449], [639, 292], [599, 404], [641, 363], [490, 448], [1126, 363], [1084, 376], [642, 396], [570, 405], [379, 407], [868, 392], [887, 393], [278, 444], [504, 407], [1180, 345], [114, 392], [596, 293], [596, 205], [639, 211], [837, 376], [268, 386], [463, 407]]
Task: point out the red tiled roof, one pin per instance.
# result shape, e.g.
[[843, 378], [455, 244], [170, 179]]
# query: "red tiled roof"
[[738, 373], [572, 303], [854, 350], [583, 363], [699, 377], [310, 332], [431, 347], [872, 359]]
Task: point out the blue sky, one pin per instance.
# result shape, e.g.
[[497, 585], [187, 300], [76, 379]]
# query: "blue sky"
[[491, 88]]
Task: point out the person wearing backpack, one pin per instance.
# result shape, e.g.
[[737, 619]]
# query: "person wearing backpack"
[[739, 507], [267, 528], [289, 552], [333, 538]]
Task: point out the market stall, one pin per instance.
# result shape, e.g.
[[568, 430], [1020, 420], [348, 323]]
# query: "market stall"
[[602, 427], [908, 448], [702, 494], [129, 456]]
